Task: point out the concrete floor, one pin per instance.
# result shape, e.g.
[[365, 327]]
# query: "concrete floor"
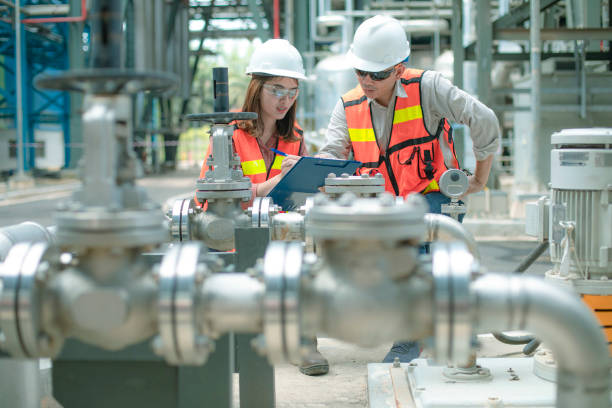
[[346, 383]]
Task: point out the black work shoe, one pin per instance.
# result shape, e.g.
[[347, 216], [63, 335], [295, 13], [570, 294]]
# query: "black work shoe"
[[314, 364]]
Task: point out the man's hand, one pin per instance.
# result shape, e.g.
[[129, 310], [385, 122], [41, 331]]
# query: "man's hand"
[[288, 163], [481, 174], [474, 186]]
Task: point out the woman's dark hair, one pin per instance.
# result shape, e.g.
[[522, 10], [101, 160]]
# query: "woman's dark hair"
[[252, 100]]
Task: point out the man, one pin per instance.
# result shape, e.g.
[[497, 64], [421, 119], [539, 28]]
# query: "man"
[[396, 122]]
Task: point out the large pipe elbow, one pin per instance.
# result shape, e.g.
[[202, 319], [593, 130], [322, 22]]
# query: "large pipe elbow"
[[561, 320], [443, 228]]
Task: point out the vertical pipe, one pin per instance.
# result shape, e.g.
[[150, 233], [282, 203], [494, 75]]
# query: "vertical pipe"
[[484, 46], [19, 107], [458, 58], [289, 20], [457, 43], [583, 78], [535, 44], [276, 19], [322, 9]]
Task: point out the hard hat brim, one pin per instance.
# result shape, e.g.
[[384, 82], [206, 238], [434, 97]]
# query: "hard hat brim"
[[365, 65], [278, 72]]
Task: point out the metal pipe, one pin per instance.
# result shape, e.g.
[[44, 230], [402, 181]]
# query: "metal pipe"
[[75, 19], [231, 302], [289, 20], [583, 80], [535, 254], [24, 232], [535, 44], [47, 10], [562, 321], [12, 4], [450, 229], [18, 75]]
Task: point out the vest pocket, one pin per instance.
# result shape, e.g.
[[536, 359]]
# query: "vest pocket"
[[404, 158]]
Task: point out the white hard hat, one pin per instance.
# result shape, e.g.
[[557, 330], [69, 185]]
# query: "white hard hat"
[[277, 57], [379, 43]]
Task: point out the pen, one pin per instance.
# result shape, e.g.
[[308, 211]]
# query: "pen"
[[279, 152]]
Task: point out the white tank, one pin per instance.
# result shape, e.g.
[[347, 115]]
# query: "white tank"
[[334, 77]]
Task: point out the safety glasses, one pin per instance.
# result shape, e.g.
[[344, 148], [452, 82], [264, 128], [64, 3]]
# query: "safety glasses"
[[280, 92], [376, 76]]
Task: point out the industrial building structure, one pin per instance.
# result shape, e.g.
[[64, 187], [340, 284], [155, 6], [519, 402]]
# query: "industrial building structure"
[[124, 293]]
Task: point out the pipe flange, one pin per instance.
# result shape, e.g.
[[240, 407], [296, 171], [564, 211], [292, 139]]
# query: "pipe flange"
[[24, 275], [452, 265], [95, 227], [362, 180], [376, 218], [361, 186], [181, 223], [262, 211], [282, 267], [180, 276], [204, 185]]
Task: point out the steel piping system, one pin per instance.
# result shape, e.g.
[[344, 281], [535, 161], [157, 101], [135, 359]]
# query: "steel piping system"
[[561, 320], [443, 228], [364, 271]]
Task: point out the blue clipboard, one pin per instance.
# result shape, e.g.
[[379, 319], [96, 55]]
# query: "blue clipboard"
[[305, 178]]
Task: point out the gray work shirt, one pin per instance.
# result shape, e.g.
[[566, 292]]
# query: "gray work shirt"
[[439, 99]]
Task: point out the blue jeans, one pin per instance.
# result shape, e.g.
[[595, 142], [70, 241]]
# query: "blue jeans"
[[406, 351]]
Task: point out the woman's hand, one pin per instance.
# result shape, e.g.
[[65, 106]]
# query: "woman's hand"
[[288, 163]]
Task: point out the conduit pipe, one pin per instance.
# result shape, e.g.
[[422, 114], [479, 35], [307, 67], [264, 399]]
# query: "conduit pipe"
[[443, 228], [563, 322], [75, 19], [25, 232]]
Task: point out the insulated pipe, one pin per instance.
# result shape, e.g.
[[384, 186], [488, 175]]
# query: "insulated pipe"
[[443, 228], [25, 232], [75, 19], [232, 302], [562, 321]]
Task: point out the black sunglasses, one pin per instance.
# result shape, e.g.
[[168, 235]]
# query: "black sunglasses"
[[376, 76]]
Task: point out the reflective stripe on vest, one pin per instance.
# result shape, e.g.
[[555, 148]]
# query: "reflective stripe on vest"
[[251, 159], [413, 161], [253, 167]]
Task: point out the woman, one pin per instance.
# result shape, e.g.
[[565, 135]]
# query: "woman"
[[275, 68]]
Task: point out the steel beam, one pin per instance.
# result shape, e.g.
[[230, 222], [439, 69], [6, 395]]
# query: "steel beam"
[[554, 34]]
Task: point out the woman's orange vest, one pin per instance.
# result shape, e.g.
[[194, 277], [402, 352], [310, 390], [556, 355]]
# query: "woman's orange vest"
[[413, 161], [251, 159]]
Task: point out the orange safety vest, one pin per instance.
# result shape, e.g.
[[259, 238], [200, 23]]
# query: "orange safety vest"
[[251, 159], [413, 161]]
